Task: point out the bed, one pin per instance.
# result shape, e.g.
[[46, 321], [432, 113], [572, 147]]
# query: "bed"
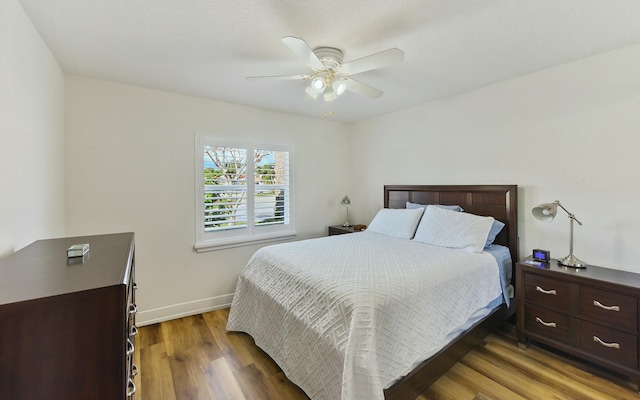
[[382, 314]]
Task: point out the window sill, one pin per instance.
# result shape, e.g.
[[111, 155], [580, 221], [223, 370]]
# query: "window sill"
[[221, 244]]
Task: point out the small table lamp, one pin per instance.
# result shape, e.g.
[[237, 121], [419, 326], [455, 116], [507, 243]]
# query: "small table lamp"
[[346, 202], [547, 212]]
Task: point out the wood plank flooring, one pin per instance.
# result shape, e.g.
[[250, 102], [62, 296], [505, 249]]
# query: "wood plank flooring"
[[194, 358]]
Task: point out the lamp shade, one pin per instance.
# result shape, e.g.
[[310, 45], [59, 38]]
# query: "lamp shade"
[[330, 95], [339, 86], [545, 212], [312, 93], [318, 85]]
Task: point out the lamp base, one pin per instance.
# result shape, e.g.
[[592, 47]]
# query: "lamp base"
[[572, 261]]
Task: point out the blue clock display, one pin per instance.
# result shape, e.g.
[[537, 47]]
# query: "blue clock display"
[[541, 255]]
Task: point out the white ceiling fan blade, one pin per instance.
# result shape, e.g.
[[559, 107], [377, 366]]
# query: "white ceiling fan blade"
[[278, 77], [303, 51], [362, 89], [377, 60]]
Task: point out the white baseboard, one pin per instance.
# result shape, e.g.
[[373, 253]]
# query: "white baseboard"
[[182, 310]]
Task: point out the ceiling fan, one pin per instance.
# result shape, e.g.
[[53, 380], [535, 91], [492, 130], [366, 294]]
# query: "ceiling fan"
[[329, 76]]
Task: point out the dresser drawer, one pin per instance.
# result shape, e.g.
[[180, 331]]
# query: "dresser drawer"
[[548, 323], [615, 346], [547, 292], [609, 309]]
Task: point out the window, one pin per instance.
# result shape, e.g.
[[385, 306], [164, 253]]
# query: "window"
[[243, 193]]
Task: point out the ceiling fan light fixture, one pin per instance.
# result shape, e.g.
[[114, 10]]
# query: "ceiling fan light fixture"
[[312, 93], [330, 95], [318, 85], [329, 76], [339, 86]]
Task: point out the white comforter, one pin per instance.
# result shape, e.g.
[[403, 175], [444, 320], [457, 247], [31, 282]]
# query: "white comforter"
[[345, 316]]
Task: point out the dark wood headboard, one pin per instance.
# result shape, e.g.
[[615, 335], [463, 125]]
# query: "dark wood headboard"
[[497, 201]]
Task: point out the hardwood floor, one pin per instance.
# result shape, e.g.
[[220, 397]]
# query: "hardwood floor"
[[194, 358]]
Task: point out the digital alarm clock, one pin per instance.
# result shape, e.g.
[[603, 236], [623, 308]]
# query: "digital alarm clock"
[[541, 255]]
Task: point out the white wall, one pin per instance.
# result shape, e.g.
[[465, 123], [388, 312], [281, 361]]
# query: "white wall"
[[130, 167], [569, 133], [31, 134]]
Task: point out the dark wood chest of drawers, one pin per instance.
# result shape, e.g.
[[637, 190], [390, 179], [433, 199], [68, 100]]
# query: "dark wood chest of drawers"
[[67, 326], [590, 313]]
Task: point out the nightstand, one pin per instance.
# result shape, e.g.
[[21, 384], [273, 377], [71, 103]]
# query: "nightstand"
[[341, 230], [590, 313]]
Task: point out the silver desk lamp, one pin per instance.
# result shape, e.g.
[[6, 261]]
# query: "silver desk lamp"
[[547, 212], [346, 202]]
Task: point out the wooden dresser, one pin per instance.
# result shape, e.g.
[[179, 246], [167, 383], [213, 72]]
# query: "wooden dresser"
[[67, 326], [591, 313]]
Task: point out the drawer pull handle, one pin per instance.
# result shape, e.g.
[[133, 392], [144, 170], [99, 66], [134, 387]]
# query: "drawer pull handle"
[[135, 286], [133, 309], [549, 324], [134, 331], [134, 370], [608, 308], [130, 347], [541, 290], [132, 388], [605, 344]]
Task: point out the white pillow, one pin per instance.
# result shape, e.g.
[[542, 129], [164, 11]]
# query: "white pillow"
[[418, 205], [396, 222], [457, 230]]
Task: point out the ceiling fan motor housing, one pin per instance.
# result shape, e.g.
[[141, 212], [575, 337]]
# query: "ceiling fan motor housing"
[[330, 57]]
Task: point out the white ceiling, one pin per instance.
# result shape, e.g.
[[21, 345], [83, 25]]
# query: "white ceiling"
[[206, 48]]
